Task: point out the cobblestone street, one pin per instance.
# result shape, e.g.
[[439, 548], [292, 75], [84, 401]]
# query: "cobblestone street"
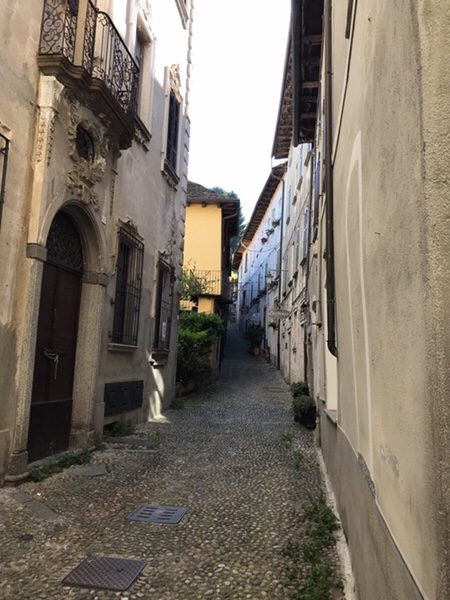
[[224, 457]]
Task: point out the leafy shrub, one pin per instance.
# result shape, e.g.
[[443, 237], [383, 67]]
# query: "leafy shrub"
[[194, 321], [299, 388], [197, 333], [302, 404]]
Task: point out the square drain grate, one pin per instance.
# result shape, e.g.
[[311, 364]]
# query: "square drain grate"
[[150, 513], [103, 573]]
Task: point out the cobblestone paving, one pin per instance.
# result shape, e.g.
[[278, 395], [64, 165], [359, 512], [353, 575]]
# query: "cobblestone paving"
[[222, 457]]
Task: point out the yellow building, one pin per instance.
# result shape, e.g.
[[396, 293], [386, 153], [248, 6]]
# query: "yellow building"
[[211, 221]]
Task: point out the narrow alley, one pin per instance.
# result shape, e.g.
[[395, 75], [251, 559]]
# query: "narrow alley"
[[232, 456]]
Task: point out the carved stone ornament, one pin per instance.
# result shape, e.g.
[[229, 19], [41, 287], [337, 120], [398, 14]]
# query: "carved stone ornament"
[[175, 81], [130, 224], [78, 190], [88, 171]]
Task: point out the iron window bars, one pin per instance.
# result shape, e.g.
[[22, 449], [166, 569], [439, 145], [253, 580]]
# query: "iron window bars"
[[4, 150], [128, 289], [164, 304]]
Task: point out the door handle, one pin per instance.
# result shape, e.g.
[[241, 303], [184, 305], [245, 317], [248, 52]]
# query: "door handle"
[[54, 356]]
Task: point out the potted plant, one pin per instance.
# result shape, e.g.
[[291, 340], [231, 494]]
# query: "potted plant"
[[299, 388], [304, 409]]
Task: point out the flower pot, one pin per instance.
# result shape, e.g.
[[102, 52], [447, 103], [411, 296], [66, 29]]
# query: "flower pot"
[[308, 419]]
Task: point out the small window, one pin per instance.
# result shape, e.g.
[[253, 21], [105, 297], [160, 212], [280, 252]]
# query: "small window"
[[128, 289], [164, 305], [85, 144], [142, 52]]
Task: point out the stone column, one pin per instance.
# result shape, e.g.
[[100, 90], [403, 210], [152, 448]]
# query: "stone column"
[[17, 468], [87, 360]]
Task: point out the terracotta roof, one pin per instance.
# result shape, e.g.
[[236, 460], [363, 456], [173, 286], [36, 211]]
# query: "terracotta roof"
[[259, 211], [197, 193]]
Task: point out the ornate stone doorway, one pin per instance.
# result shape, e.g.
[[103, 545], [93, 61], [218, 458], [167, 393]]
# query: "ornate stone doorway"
[[52, 394]]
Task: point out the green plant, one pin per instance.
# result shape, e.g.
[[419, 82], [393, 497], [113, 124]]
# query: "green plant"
[[299, 388], [297, 459], [309, 565], [197, 333], [208, 323], [59, 464], [193, 284], [286, 439], [98, 442], [120, 429], [302, 404]]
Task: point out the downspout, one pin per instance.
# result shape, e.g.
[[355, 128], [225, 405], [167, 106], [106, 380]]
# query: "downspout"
[[329, 200]]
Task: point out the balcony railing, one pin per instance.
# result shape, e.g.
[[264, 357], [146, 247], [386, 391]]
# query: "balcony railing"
[[82, 48], [209, 283]]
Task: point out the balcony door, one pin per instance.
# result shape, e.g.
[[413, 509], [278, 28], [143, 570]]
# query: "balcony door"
[[51, 403]]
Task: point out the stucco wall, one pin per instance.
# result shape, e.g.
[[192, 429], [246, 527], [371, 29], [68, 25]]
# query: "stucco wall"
[[19, 75], [203, 248], [391, 242]]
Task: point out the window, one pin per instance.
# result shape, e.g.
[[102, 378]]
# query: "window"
[[172, 131], [305, 235], [85, 144], [142, 55], [128, 288], [164, 304]]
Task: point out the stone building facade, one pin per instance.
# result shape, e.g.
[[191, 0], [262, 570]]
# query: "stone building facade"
[[95, 110]]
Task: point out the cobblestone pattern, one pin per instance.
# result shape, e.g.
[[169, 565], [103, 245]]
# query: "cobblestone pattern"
[[222, 457]]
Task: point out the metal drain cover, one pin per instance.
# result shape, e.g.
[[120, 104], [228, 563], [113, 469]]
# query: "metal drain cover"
[[150, 513], [103, 573]]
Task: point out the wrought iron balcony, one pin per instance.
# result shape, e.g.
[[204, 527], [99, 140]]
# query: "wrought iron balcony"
[[82, 48]]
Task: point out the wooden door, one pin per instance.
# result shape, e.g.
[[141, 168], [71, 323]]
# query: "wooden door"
[[51, 402]]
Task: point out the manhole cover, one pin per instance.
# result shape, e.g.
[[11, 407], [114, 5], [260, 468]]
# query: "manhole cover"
[[149, 513], [105, 573]]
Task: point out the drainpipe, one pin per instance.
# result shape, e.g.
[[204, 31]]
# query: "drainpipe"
[[329, 200]]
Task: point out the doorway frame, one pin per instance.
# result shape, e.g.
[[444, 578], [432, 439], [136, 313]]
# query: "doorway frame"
[[93, 283]]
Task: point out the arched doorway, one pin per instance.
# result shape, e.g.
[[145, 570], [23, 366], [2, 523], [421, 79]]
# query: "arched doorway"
[[51, 401]]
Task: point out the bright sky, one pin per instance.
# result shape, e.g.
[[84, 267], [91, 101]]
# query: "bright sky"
[[239, 48]]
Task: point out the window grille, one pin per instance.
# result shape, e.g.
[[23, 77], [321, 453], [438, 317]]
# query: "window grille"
[[128, 289], [4, 150], [164, 304], [172, 131]]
